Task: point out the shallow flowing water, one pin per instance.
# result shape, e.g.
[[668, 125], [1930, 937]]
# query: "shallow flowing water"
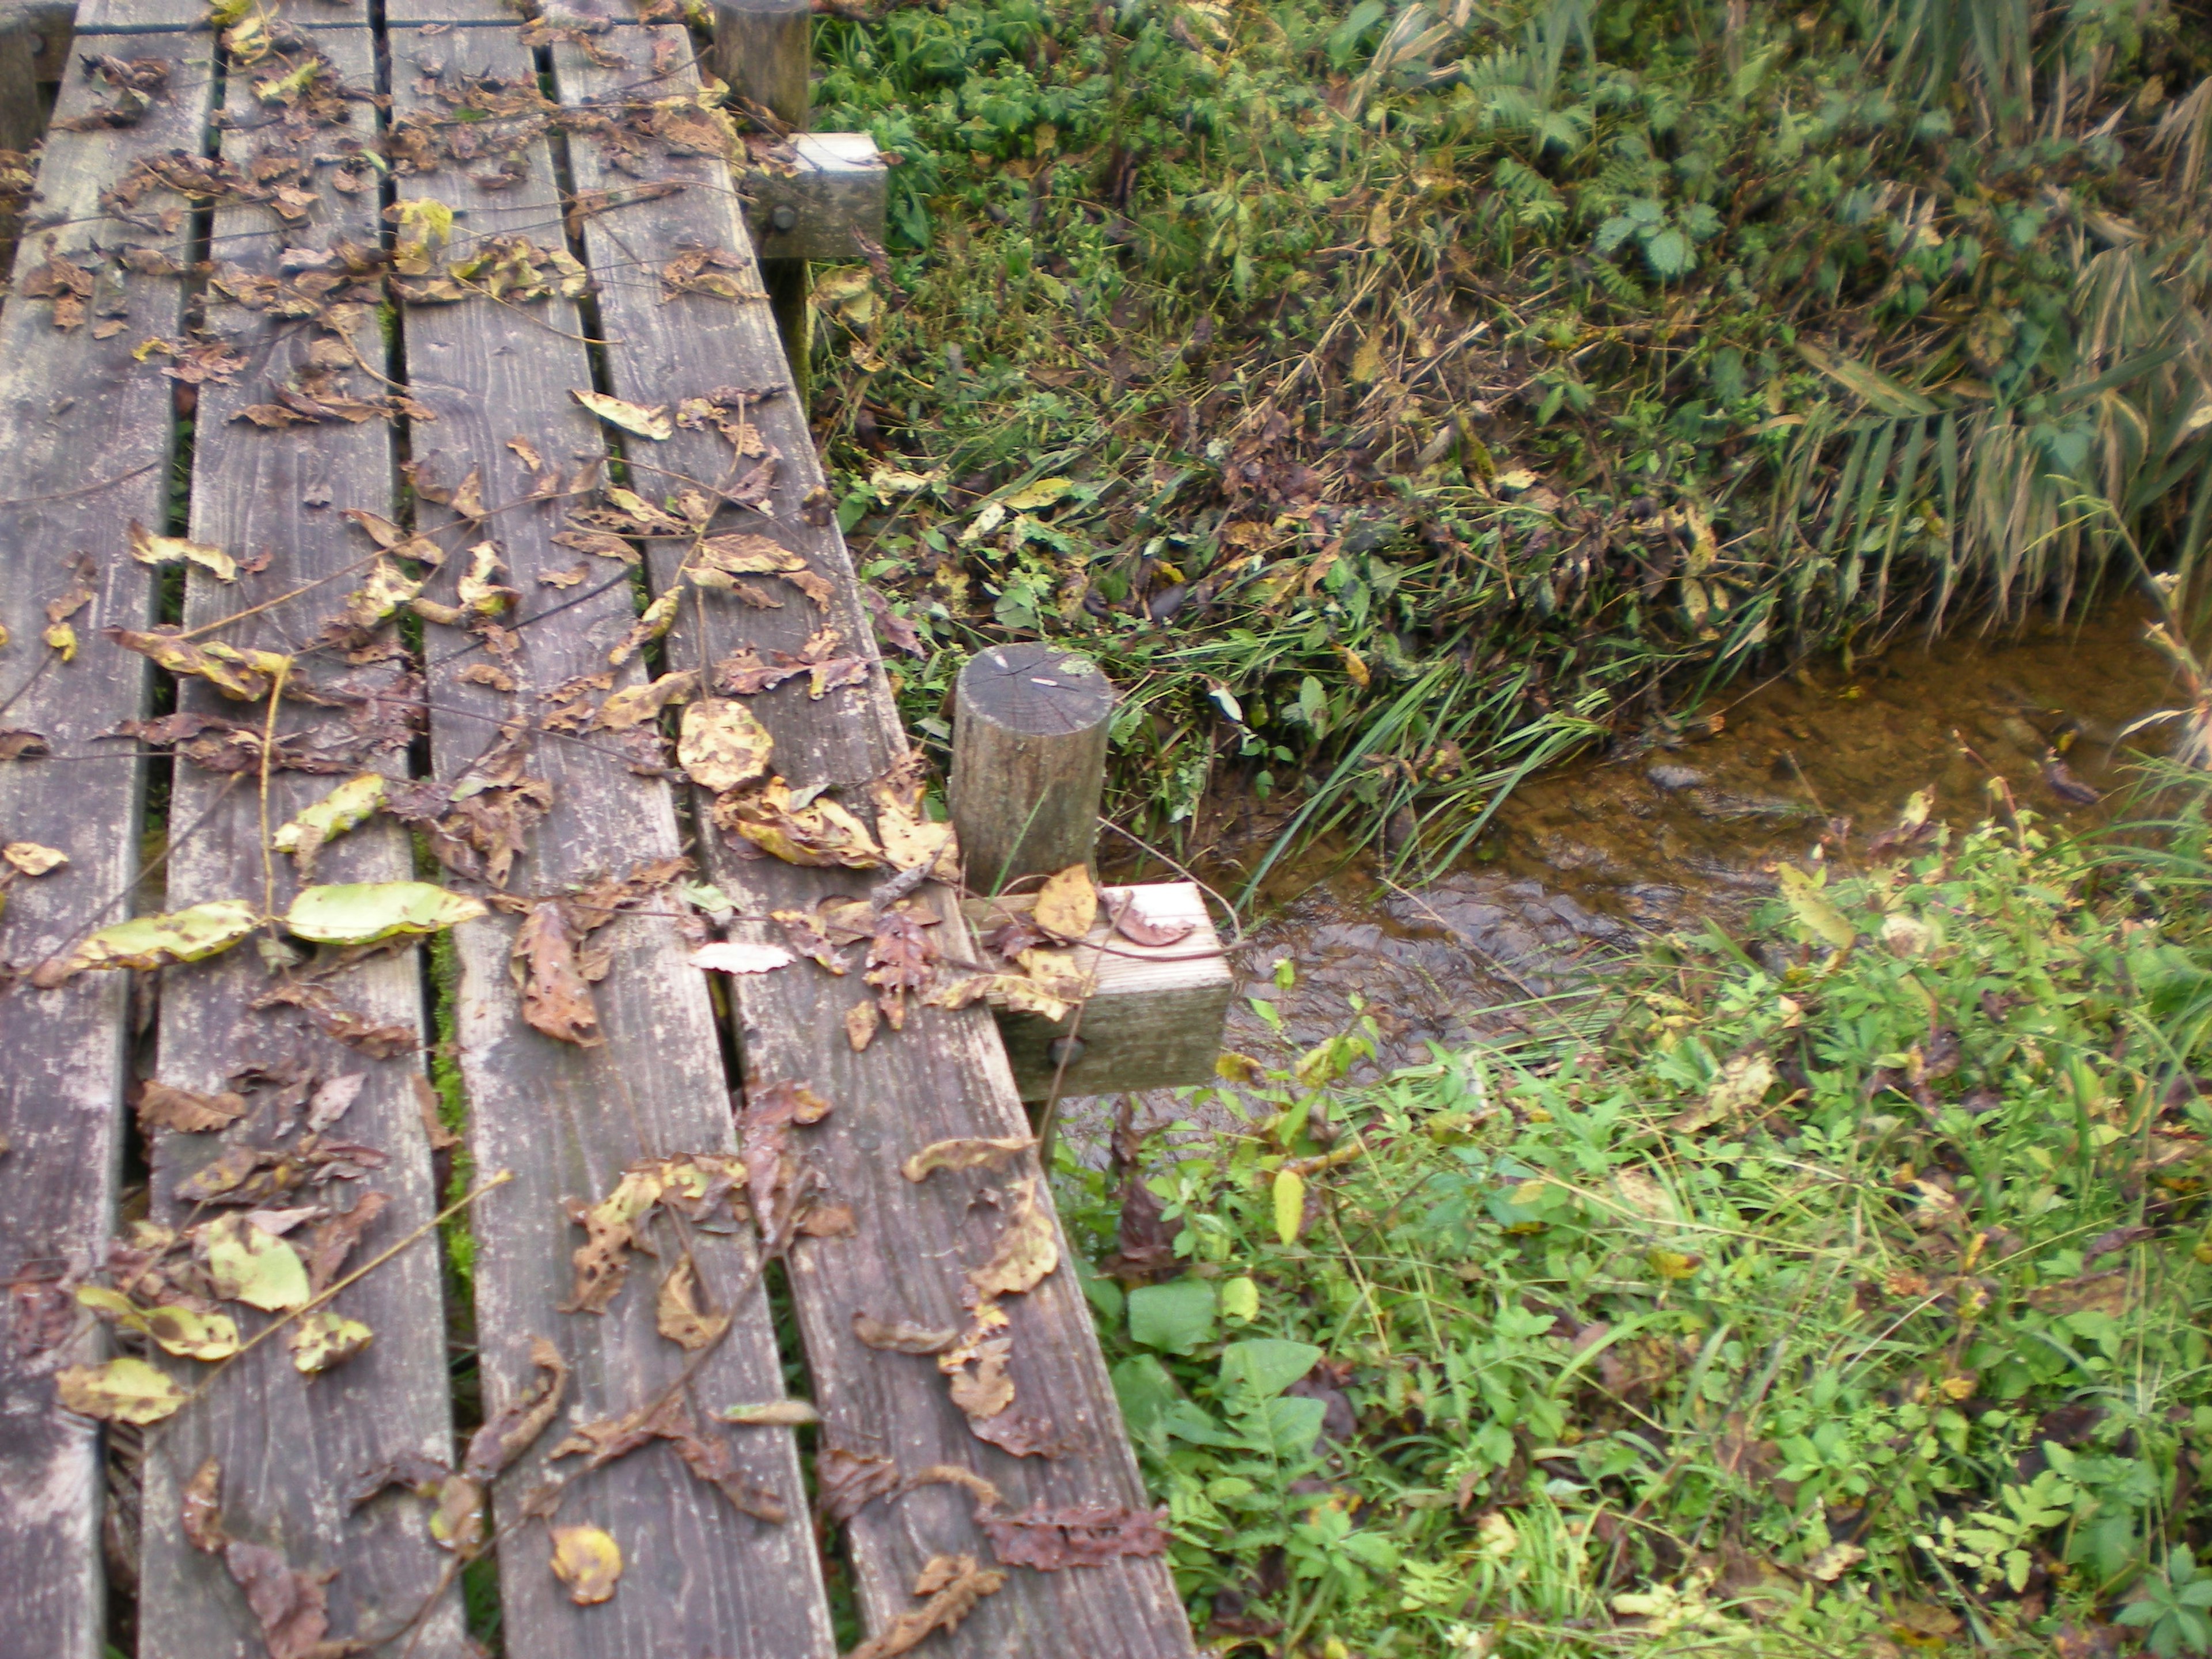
[[1681, 823]]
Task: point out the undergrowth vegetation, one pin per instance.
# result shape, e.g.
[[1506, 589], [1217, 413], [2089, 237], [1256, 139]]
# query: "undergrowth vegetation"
[[1843, 1290], [1396, 396]]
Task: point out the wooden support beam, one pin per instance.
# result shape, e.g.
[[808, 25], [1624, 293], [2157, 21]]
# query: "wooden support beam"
[[37, 32], [1028, 762], [764, 51], [837, 196], [1154, 1021], [85, 447]]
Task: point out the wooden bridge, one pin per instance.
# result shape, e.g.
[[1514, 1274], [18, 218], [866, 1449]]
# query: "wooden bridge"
[[398, 383]]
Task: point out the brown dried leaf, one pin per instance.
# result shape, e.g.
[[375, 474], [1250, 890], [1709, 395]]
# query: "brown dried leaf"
[[333, 1240], [1133, 925], [861, 1020], [509, 1432], [820, 835], [161, 1106], [555, 1000], [849, 1482], [1027, 1248], [978, 1153], [202, 1509], [807, 935], [900, 959], [774, 1182], [613, 1227], [903, 1336], [953, 1584], [1074, 1535], [636, 704], [676, 1309]]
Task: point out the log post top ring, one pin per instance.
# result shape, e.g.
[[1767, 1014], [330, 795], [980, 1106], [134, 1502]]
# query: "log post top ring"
[[1037, 689]]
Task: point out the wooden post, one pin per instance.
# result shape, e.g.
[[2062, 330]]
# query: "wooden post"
[[1028, 762], [764, 51], [22, 117]]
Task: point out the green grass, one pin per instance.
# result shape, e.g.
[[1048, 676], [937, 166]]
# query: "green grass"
[[1395, 399], [1822, 1301]]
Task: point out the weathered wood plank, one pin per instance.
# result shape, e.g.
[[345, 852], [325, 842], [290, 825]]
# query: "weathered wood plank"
[[700, 1577], [84, 446], [1154, 1021], [290, 1447], [945, 1077]]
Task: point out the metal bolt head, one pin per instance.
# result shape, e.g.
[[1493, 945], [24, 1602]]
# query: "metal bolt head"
[[1064, 1051], [783, 217]]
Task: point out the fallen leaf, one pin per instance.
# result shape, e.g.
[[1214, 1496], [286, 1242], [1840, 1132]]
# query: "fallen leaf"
[[1132, 924], [587, 1560], [1809, 902], [773, 1177], [655, 620], [771, 1415], [968, 1154], [638, 703], [555, 998], [861, 1020], [188, 935], [653, 423], [1068, 904], [819, 835], [1740, 1089], [952, 1585], [333, 1240], [292, 1606], [346, 806], [509, 1432], [123, 1390], [324, 1338], [735, 956], [245, 1264], [174, 549], [361, 913], [161, 1106], [723, 746], [1027, 1248], [1073, 1535], [847, 1482], [903, 1336], [333, 1099], [32, 859], [190, 1335], [202, 1509], [613, 1228], [676, 1309]]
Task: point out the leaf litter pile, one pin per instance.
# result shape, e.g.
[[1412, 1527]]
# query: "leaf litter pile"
[[267, 1228]]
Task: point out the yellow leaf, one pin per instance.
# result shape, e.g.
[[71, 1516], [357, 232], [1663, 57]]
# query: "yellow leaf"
[[723, 745], [125, 1390], [32, 859], [1232, 1067], [1811, 905], [324, 1338], [63, 638], [972, 1154], [653, 423], [588, 1562], [1290, 1205], [1067, 907], [169, 550], [1673, 1264], [1043, 493]]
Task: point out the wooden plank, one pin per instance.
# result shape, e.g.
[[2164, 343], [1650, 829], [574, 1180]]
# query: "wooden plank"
[[84, 446], [835, 198], [701, 1578], [141, 16], [945, 1077], [290, 1447]]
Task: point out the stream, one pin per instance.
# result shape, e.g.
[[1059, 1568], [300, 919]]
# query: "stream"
[[1680, 823]]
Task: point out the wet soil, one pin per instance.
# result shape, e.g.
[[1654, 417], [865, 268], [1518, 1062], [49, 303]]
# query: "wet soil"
[[1689, 820]]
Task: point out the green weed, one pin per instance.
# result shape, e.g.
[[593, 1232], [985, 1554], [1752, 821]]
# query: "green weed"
[[1827, 1299], [1396, 398]]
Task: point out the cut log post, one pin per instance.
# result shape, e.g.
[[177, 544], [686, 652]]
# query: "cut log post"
[[22, 113], [1028, 762], [764, 53]]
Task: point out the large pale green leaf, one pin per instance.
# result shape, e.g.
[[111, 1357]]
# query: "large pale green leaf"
[[1266, 1364], [1812, 908], [247, 1265], [1885, 395], [156, 941], [360, 912], [1174, 1317], [123, 1390]]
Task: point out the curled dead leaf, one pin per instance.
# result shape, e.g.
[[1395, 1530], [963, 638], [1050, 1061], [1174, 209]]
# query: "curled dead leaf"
[[978, 1153], [588, 1561]]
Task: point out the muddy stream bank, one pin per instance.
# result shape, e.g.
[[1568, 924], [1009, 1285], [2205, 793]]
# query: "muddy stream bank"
[[1674, 824]]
